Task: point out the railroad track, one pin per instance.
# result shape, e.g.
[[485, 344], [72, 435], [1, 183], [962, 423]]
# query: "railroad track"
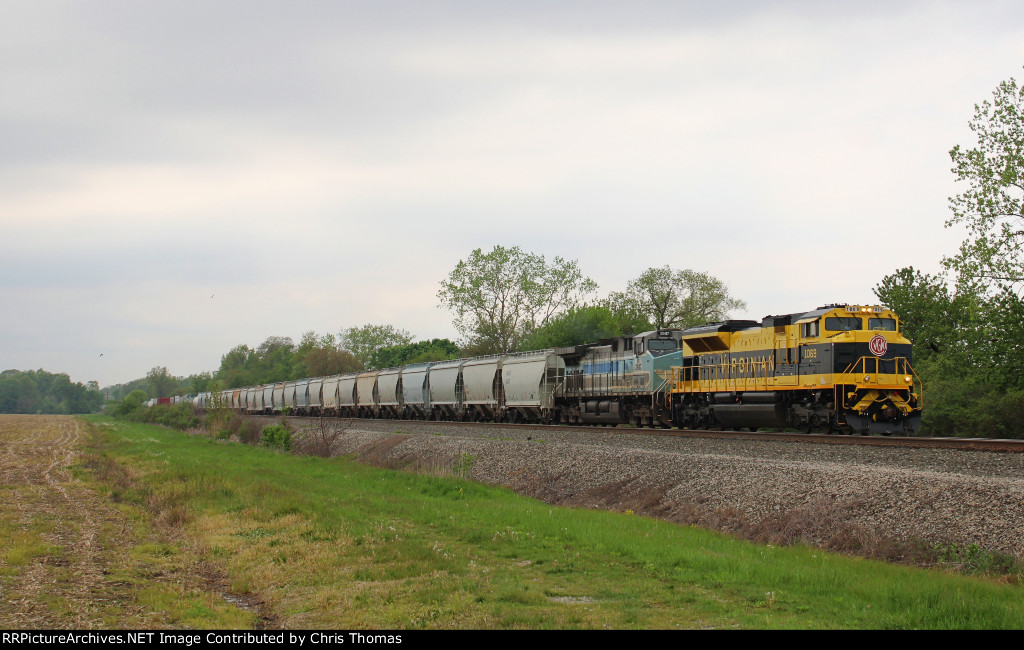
[[980, 444]]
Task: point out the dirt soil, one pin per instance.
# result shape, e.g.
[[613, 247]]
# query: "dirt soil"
[[70, 557]]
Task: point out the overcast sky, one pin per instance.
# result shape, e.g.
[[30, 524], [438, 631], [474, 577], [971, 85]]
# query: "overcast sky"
[[177, 178]]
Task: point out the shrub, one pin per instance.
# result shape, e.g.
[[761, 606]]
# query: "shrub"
[[177, 416], [972, 409], [248, 431], [130, 404], [276, 436]]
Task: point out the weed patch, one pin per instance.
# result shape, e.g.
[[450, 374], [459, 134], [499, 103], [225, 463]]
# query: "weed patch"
[[320, 438], [276, 436]]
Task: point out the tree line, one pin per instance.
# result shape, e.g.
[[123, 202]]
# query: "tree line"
[[38, 391], [505, 300], [510, 300]]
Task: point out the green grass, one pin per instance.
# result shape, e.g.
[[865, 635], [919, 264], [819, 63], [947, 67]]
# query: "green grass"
[[331, 543]]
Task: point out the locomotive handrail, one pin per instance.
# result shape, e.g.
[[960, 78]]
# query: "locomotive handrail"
[[851, 376], [558, 389], [665, 376], [717, 377], [901, 366]]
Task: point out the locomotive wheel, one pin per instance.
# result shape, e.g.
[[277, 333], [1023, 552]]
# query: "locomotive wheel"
[[816, 423], [795, 423]]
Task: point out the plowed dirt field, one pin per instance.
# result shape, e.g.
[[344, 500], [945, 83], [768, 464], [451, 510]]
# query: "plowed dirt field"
[[73, 558]]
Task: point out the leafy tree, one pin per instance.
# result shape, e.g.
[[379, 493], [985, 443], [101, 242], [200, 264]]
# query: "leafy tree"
[[435, 353], [118, 392], [279, 359], [419, 352], [199, 383], [237, 367], [1005, 335], [583, 325], [967, 349], [364, 341], [930, 314], [38, 391], [625, 318], [323, 355], [501, 296], [964, 330], [671, 298], [161, 383], [310, 341], [131, 403], [992, 205], [274, 359], [18, 393]]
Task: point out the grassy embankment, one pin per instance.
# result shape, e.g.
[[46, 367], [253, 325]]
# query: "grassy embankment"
[[332, 543]]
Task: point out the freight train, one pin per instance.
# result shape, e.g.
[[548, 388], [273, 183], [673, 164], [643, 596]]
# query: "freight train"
[[835, 369]]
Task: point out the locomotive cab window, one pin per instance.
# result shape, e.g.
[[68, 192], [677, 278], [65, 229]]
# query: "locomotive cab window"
[[810, 330], [845, 324], [658, 345], [884, 324]]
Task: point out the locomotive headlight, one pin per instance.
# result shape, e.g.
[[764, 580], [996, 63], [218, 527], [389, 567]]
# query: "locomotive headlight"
[[867, 377], [907, 379]]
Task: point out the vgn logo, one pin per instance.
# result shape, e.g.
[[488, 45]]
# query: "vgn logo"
[[878, 345]]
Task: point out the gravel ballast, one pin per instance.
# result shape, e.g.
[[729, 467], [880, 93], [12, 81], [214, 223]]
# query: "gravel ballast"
[[848, 497]]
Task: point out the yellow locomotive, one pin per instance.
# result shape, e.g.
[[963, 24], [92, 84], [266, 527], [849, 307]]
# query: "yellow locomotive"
[[838, 368]]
